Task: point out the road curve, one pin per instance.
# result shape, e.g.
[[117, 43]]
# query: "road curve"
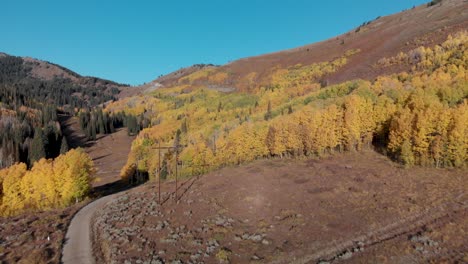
[[77, 248]]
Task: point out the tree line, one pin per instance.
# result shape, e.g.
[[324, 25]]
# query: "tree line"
[[48, 184], [416, 118], [29, 127]]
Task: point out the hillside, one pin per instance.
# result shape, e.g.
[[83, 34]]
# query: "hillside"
[[396, 84], [33, 92], [28, 71], [351, 208], [353, 149], [382, 37]]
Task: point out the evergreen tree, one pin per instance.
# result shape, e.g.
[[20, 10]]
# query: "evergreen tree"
[[100, 125], [184, 127], [268, 114], [37, 147], [111, 127], [93, 131], [132, 125], [64, 146], [177, 138]]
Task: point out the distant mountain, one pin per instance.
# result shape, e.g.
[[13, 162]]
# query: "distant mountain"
[[53, 83], [32, 93]]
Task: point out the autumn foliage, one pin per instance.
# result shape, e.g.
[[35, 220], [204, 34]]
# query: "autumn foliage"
[[49, 183], [417, 118]]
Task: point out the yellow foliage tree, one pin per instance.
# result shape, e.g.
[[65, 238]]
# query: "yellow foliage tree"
[[49, 183], [13, 198], [74, 172]]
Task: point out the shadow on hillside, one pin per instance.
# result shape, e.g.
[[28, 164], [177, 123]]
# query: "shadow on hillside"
[[71, 129], [120, 185], [110, 188]]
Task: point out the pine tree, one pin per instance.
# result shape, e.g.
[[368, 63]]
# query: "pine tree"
[[177, 138], [64, 146], [93, 131], [111, 127], [268, 114], [101, 126], [132, 125], [37, 147], [184, 127]]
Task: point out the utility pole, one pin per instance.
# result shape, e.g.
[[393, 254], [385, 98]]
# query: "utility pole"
[[214, 144], [176, 148], [159, 172], [159, 148], [176, 165]]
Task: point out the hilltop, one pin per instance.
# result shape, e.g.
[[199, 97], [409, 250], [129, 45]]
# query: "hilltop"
[[47, 71], [382, 37]]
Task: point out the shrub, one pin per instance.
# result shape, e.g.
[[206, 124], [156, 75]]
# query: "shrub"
[[434, 2]]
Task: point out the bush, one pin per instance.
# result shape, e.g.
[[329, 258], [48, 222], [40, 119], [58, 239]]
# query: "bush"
[[434, 2]]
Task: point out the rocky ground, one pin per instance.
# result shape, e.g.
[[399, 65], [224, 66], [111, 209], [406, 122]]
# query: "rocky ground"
[[34, 238], [353, 207]]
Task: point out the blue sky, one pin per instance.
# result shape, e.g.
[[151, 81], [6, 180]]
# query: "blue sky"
[[135, 41]]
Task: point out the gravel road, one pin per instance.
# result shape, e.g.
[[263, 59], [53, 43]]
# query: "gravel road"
[[77, 248]]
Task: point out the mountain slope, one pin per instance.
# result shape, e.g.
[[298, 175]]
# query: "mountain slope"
[[287, 103], [384, 37], [15, 69]]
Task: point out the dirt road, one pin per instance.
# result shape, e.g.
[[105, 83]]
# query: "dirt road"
[[78, 243], [109, 153]]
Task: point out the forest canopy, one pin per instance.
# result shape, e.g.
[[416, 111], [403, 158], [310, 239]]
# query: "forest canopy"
[[48, 184]]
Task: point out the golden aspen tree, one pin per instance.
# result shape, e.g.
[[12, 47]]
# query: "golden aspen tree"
[[274, 140], [75, 172], [406, 153], [305, 131], [458, 136], [401, 132], [421, 135], [325, 135], [38, 185], [292, 140], [352, 122], [13, 198]]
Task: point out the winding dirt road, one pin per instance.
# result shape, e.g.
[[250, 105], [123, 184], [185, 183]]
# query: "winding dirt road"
[[109, 154], [77, 248]]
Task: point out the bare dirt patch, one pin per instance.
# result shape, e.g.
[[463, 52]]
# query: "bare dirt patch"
[[109, 152], [35, 238], [335, 209]]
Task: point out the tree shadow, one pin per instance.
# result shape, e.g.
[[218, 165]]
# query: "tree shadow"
[[70, 129], [110, 188], [101, 157]]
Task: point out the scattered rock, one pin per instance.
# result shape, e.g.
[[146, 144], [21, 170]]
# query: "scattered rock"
[[256, 238], [255, 257], [346, 255]]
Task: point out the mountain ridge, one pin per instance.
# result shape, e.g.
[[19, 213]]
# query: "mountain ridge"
[[424, 25]]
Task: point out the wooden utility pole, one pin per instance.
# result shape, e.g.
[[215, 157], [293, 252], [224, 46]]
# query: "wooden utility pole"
[[159, 148], [159, 173], [176, 165]]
